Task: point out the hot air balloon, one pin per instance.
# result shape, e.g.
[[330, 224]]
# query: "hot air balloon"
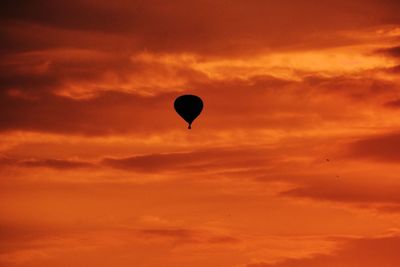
[[188, 107]]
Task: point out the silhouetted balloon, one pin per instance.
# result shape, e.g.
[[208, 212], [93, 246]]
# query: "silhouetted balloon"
[[188, 107]]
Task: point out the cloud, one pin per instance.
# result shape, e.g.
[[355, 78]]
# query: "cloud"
[[83, 73], [16, 236], [391, 208], [359, 89], [383, 148], [58, 164], [210, 27], [175, 233], [92, 142], [395, 69], [36, 244], [114, 83], [108, 113], [393, 103], [392, 51], [207, 160], [177, 236], [187, 236], [367, 252], [261, 102], [350, 192]]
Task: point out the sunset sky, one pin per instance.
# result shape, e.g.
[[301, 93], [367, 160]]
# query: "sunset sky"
[[294, 161]]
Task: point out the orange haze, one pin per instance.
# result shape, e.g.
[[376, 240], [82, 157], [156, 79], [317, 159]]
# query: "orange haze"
[[294, 162]]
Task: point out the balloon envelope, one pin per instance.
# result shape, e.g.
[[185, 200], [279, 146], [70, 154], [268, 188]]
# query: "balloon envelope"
[[188, 107]]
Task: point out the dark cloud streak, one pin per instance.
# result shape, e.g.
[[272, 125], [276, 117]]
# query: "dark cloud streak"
[[383, 148], [207, 27], [367, 252]]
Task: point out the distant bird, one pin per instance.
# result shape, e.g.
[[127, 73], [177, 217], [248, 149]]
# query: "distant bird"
[[188, 107]]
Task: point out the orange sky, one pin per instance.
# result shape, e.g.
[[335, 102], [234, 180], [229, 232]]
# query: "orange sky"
[[294, 161]]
